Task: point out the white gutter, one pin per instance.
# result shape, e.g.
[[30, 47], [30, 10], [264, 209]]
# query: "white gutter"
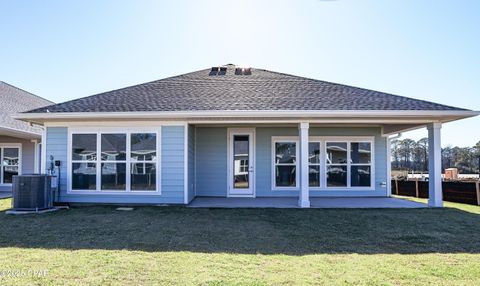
[[259, 113], [20, 132], [398, 135]]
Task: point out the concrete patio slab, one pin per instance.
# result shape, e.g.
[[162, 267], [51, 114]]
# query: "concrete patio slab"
[[211, 202], [364, 203]]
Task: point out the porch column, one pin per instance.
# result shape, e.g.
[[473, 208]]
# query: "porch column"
[[36, 157], [434, 166], [43, 155], [304, 197]]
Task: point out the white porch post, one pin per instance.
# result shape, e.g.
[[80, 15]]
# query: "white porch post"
[[304, 197], [434, 166], [43, 155], [36, 159]]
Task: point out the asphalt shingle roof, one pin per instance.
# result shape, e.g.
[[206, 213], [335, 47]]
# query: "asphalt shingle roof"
[[261, 90], [14, 100]]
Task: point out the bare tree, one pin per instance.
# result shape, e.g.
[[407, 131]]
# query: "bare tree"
[[423, 145], [405, 152], [408, 154]]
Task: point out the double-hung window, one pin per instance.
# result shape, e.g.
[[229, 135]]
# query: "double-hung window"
[[285, 154], [9, 163], [349, 164], [337, 164], [314, 163], [143, 157], [334, 163], [360, 164], [114, 161], [84, 161]]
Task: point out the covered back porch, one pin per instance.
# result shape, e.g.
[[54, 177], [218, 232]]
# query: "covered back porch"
[[303, 164]]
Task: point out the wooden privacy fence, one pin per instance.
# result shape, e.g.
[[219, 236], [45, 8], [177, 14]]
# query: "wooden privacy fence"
[[459, 192]]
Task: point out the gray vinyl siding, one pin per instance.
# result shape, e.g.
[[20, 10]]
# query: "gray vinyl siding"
[[28, 156], [172, 170], [211, 161]]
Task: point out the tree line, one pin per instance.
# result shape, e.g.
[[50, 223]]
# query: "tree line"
[[410, 155]]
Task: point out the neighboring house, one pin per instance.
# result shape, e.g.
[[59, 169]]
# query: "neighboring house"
[[234, 132], [19, 141]]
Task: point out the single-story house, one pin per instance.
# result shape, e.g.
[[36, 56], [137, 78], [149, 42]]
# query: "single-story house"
[[229, 131], [19, 140]]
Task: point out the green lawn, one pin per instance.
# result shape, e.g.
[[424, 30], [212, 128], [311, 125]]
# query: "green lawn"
[[176, 245]]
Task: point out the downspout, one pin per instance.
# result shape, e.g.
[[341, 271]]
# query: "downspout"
[[389, 163]]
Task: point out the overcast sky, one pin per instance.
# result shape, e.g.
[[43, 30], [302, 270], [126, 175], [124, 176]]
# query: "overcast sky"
[[429, 50]]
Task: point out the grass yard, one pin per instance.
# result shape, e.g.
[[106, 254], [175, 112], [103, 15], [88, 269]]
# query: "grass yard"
[[176, 245]]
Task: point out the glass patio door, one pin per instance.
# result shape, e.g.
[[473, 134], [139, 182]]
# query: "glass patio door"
[[241, 162]]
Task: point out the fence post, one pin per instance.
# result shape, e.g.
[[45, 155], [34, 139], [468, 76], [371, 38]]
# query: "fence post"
[[396, 186], [477, 184], [416, 188]]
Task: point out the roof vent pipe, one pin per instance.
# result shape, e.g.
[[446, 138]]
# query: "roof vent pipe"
[[223, 71], [214, 71], [243, 71]]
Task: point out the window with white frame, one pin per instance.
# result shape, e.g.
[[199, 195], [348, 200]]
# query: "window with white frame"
[[360, 164], [314, 164], [348, 164], [9, 163], [336, 165], [143, 156], [84, 161], [114, 161], [285, 163], [333, 163]]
